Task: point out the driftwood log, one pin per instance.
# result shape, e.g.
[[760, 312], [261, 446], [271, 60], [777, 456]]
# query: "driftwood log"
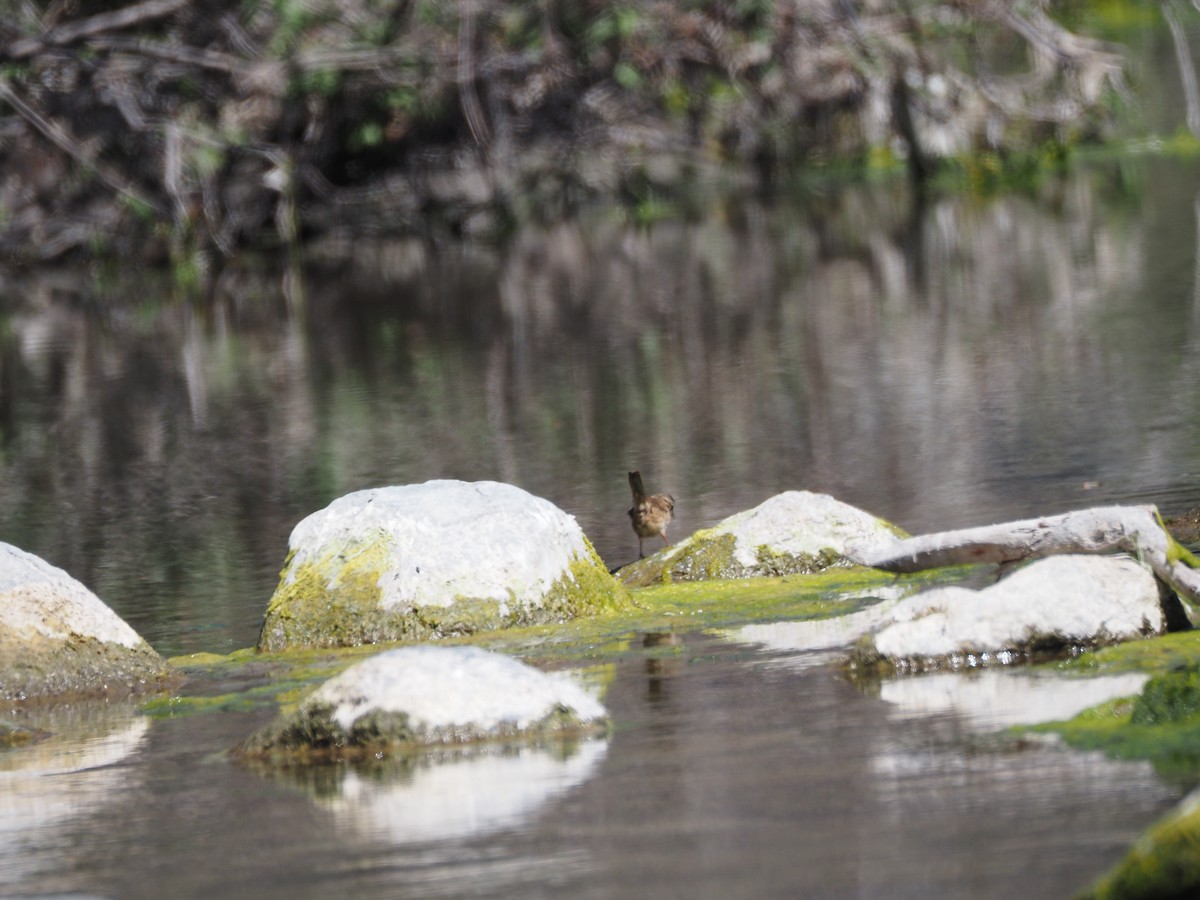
[[1136, 530]]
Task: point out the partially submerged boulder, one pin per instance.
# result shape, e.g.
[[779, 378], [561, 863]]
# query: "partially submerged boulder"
[[420, 696], [1048, 606], [58, 638], [432, 560], [796, 532]]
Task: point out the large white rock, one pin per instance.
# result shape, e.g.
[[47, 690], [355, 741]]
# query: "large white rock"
[[427, 695], [57, 637], [429, 560], [793, 532], [1055, 602]]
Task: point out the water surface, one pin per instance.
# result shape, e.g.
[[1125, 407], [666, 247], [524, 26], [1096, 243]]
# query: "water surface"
[[984, 360], [732, 770], [967, 361]]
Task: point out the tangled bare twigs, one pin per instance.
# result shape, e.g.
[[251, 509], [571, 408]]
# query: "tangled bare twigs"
[[212, 125]]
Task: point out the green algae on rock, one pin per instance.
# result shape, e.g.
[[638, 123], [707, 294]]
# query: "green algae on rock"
[[796, 532], [412, 697], [1164, 862], [57, 638], [1161, 725], [434, 560]]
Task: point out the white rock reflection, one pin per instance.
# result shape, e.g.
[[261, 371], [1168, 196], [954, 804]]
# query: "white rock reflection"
[[998, 698], [493, 790], [820, 634], [72, 774]]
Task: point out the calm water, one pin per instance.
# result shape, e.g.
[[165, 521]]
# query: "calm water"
[[978, 360], [733, 771], [988, 359]]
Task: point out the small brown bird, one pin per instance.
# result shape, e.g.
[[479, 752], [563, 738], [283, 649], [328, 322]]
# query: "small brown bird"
[[650, 515]]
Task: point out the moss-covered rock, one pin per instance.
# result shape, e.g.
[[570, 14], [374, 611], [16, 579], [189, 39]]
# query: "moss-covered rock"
[[1164, 863], [796, 532], [1171, 697], [433, 560], [58, 638], [1185, 527], [419, 696]]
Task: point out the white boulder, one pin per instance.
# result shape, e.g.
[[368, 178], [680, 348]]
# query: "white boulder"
[[1048, 605], [793, 532], [57, 637], [430, 560], [416, 696]]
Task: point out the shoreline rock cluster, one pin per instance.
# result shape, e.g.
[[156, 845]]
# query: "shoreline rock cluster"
[[422, 561], [449, 558]]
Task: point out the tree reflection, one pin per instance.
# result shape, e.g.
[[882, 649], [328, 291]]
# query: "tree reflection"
[[977, 361]]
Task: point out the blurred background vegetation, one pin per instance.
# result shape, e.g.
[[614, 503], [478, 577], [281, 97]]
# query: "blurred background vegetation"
[[188, 129]]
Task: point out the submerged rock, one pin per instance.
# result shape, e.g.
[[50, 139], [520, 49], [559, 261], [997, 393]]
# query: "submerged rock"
[[796, 532], [1048, 606], [57, 637], [432, 560], [419, 696]]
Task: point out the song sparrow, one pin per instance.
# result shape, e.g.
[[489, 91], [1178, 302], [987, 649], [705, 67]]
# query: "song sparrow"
[[650, 514]]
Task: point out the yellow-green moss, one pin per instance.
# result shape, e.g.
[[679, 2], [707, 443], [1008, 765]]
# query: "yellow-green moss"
[[1165, 862], [711, 556], [311, 734], [337, 601], [1162, 725], [36, 667], [614, 625], [1156, 654]]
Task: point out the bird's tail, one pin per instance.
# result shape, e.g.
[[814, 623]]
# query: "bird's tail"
[[636, 486]]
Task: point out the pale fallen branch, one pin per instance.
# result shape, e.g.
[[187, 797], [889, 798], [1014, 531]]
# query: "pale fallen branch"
[[1136, 530]]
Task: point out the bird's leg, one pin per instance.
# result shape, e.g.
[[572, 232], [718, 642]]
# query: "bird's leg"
[[641, 552], [666, 543]]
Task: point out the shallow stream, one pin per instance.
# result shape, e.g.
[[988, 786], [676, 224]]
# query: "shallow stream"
[[981, 359], [732, 769]]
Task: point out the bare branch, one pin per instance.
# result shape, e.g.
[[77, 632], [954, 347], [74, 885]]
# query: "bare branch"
[[79, 30], [62, 139]]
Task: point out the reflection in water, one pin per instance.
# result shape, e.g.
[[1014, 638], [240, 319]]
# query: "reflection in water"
[[982, 361], [723, 776], [997, 698], [73, 774], [661, 665], [463, 797], [987, 360], [785, 780], [821, 634]]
